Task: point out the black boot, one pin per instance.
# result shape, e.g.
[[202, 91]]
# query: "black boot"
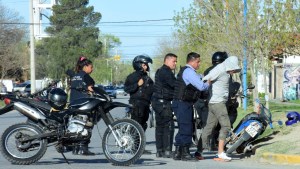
[[75, 149], [177, 153], [167, 154], [186, 155], [159, 154], [84, 150]]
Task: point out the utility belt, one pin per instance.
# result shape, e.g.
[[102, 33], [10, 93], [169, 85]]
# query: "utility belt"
[[161, 100]]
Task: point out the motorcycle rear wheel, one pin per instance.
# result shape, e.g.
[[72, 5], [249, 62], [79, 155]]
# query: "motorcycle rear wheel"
[[132, 138], [22, 153]]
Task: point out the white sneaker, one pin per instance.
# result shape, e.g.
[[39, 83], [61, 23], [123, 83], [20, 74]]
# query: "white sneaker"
[[224, 156]]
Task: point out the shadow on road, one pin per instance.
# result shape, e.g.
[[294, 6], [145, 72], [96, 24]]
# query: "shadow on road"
[[71, 161], [140, 162], [149, 162], [150, 142]]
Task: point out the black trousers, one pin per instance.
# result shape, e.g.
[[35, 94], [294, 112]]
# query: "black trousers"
[[164, 132], [140, 113]]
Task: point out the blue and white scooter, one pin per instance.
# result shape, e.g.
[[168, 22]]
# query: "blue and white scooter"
[[248, 130]]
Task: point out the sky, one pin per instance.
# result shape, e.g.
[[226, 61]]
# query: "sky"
[[137, 37]]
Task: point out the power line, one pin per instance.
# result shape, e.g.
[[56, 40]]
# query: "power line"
[[115, 22], [24, 23], [150, 20], [144, 36]]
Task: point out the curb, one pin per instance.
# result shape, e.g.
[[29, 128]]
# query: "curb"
[[281, 158]]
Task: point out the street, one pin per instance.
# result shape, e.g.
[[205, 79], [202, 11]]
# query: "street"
[[52, 159]]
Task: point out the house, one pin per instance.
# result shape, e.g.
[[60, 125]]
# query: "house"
[[285, 78]]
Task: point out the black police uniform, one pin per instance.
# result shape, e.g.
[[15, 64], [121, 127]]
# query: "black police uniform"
[[161, 103], [139, 96], [80, 80]]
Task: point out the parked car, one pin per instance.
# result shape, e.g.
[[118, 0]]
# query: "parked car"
[[3, 88], [111, 91], [120, 91], [23, 88]]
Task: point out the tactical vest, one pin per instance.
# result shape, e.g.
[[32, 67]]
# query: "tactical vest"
[[179, 85], [188, 93], [162, 91], [77, 81], [144, 92]]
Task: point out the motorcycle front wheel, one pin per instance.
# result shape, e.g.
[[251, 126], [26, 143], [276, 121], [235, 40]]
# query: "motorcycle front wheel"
[[244, 137], [22, 153], [124, 143]]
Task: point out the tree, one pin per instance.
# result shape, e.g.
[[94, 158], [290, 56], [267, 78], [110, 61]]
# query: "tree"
[[73, 33], [108, 71], [109, 42], [12, 50], [218, 26]]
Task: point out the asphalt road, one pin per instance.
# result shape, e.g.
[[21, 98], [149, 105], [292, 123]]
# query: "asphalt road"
[[52, 159]]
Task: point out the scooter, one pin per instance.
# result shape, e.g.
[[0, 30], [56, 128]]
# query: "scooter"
[[248, 130]]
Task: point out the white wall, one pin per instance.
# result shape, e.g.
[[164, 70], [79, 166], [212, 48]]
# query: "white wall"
[[8, 84], [260, 83], [292, 59]]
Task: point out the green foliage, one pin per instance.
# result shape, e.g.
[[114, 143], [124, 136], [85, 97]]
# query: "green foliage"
[[210, 26], [109, 42], [108, 71], [73, 33]]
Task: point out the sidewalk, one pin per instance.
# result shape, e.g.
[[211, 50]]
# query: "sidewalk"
[[280, 158]]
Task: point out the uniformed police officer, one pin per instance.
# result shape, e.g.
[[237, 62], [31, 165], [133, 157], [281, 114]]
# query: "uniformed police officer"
[[82, 79], [161, 103], [188, 85], [140, 87]]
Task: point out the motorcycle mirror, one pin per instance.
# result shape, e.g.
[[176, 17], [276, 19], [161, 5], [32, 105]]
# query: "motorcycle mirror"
[[280, 123]]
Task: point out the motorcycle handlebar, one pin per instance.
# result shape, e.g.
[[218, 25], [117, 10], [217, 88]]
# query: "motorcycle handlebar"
[[52, 84]]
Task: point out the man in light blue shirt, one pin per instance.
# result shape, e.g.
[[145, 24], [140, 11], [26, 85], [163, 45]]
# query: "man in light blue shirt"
[[187, 85]]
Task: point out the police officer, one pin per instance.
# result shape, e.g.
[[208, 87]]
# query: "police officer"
[[140, 87], [82, 79], [187, 86], [161, 103]]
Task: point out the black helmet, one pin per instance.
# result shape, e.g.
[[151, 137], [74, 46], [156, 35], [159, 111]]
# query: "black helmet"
[[138, 60], [218, 57], [57, 98]]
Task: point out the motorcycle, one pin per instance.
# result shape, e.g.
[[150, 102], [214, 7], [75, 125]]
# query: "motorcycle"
[[25, 143], [248, 130]]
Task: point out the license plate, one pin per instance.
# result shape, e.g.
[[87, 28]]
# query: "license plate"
[[251, 130]]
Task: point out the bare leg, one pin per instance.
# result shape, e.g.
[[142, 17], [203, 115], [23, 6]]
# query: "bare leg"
[[221, 146]]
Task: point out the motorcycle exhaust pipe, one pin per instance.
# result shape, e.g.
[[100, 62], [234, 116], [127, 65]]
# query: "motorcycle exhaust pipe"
[[28, 111]]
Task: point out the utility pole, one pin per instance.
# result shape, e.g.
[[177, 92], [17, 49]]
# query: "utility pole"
[[35, 7], [32, 57], [245, 58], [38, 8]]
